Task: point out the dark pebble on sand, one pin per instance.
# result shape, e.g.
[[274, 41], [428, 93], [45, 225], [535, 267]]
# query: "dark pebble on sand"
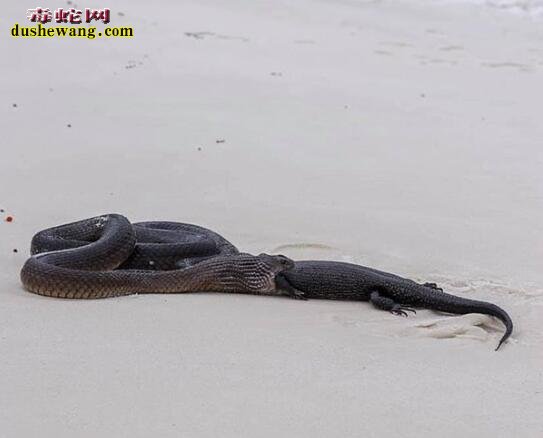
[[199, 148], [14, 105], [69, 125], [15, 250]]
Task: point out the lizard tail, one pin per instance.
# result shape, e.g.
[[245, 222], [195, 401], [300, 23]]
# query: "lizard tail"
[[449, 303], [503, 317], [498, 312], [473, 306]]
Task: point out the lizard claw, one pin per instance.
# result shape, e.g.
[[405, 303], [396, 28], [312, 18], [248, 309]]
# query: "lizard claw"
[[401, 310], [298, 295]]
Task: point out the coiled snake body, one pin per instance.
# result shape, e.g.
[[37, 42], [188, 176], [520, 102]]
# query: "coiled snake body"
[[107, 256]]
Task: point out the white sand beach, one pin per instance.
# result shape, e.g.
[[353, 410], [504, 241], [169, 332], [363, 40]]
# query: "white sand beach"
[[402, 135]]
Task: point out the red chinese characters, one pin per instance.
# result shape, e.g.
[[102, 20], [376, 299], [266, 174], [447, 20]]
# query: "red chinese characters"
[[72, 16], [97, 15], [39, 15]]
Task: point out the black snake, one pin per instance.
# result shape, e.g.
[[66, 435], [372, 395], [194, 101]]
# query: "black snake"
[[107, 256]]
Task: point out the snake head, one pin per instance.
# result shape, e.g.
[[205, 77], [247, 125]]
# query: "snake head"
[[278, 263]]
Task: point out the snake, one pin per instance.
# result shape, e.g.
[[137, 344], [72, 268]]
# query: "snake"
[[108, 256]]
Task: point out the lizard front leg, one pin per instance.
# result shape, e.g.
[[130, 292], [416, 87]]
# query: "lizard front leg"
[[283, 284]]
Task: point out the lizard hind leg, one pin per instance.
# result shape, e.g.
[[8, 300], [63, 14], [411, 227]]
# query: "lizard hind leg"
[[433, 286], [384, 303]]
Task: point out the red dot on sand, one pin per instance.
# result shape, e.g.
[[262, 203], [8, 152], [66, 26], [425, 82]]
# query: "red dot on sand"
[[9, 219]]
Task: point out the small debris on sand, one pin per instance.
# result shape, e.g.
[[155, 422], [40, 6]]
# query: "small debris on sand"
[[220, 140], [1, 210], [120, 14], [14, 105], [199, 148], [198, 35], [9, 218], [15, 250], [69, 125]]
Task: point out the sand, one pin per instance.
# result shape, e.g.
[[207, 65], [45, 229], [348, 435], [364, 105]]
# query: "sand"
[[404, 135]]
